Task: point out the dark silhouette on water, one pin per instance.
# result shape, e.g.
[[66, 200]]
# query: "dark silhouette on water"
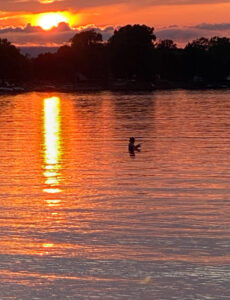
[[133, 147]]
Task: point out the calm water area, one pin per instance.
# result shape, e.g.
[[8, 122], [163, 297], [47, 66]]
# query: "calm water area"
[[81, 218]]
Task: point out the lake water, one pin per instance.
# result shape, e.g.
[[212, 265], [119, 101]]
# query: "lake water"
[[82, 219]]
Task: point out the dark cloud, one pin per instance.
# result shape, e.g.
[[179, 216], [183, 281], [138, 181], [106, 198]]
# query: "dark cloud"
[[32, 29], [221, 26], [178, 34], [62, 27], [182, 35]]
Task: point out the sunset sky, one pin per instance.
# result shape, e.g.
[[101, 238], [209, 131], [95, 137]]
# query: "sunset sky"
[[23, 22]]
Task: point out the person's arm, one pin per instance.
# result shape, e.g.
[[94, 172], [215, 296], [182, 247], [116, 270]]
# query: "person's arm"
[[138, 146]]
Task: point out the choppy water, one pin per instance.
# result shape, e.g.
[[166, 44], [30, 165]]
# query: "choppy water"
[[82, 219]]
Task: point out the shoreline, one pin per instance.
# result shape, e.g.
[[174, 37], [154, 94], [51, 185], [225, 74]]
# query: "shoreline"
[[139, 87]]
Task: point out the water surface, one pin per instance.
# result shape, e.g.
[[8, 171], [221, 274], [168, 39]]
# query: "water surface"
[[82, 219]]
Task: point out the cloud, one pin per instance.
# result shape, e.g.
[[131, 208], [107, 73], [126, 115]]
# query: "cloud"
[[213, 27], [178, 34], [35, 35], [183, 35], [27, 29]]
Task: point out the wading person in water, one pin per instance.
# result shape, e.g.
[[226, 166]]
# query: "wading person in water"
[[132, 146]]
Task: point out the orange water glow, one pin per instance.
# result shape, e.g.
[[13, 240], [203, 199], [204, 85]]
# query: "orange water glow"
[[168, 208], [52, 143], [52, 178]]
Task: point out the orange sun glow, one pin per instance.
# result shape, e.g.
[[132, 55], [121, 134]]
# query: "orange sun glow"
[[49, 20]]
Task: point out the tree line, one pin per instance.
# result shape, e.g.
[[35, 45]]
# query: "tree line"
[[131, 54]]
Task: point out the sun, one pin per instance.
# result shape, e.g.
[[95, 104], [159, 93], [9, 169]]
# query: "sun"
[[49, 20]]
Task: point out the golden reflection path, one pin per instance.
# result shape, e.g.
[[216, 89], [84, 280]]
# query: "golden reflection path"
[[52, 146]]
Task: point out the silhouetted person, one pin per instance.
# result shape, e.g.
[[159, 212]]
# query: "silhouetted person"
[[132, 146]]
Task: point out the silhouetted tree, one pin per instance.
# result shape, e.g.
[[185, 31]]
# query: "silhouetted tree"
[[166, 45], [201, 44], [196, 58], [64, 64], [131, 52], [45, 67], [89, 54], [219, 53], [168, 60], [13, 65], [86, 39], [208, 58]]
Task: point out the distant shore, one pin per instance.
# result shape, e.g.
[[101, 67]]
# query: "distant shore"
[[117, 86]]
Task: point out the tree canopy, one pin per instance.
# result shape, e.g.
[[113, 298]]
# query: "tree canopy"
[[12, 62], [131, 49], [85, 39], [131, 54]]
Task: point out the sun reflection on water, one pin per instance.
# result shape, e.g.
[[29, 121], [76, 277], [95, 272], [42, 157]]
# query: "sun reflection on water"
[[52, 144]]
